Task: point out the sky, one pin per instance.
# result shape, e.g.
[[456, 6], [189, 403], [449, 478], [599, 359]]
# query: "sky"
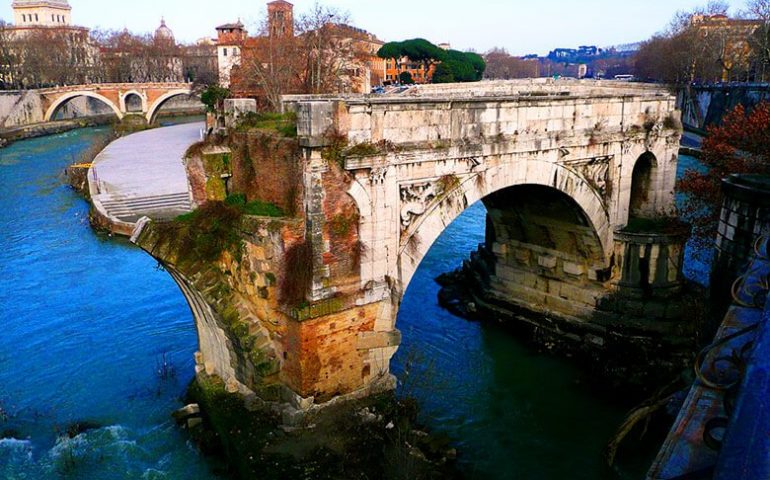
[[519, 26]]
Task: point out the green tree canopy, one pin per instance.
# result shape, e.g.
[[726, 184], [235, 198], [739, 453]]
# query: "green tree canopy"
[[460, 67], [416, 49], [213, 95], [405, 78]]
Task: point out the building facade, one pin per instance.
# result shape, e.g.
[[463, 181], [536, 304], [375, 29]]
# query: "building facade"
[[349, 51], [230, 40], [41, 13]]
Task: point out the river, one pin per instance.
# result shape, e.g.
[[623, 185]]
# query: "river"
[[93, 332]]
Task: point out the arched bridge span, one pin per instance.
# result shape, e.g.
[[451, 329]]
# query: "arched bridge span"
[[568, 171], [122, 98]]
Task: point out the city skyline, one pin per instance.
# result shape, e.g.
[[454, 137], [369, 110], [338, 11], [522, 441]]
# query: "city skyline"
[[536, 28]]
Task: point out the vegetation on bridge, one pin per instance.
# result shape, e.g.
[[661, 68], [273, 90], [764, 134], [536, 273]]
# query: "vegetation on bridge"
[[283, 123]]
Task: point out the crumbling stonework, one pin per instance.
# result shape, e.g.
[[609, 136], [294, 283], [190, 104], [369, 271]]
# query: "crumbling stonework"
[[375, 180]]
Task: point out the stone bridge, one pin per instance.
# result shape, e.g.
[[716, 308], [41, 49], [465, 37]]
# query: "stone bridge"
[[123, 98], [575, 176], [31, 107]]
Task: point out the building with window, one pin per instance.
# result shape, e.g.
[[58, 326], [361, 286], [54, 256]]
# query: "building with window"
[[351, 51], [41, 13], [730, 40], [230, 39], [43, 40]]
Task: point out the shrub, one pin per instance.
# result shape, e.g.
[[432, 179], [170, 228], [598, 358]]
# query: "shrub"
[[257, 207], [283, 123], [208, 232], [213, 96]]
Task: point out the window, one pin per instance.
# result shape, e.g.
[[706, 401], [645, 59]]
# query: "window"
[[36, 19], [53, 17], [224, 52], [23, 18]]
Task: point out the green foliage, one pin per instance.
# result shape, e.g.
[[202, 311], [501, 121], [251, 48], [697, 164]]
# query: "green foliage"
[[283, 123], [209, 231], [213, 96], [262, 209], [405, 78], [216, 189], [460, 67], [335, 151], [256, 208], [341, 225], [362, 150], [217, 164], [417, 49], [478, 64]]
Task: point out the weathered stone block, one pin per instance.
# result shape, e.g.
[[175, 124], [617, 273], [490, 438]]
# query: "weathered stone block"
[[372, 340], [547, 261], [573, 269]]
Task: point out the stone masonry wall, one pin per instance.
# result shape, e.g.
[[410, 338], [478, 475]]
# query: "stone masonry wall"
[[267, 167]]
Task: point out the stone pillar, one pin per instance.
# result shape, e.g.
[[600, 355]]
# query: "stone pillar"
[[745, 217], [649, 265]]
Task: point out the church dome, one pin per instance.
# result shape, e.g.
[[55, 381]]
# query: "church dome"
[[163, 32]]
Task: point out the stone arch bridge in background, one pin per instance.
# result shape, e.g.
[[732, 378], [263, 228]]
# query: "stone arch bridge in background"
[[31, 108], [120, 97]]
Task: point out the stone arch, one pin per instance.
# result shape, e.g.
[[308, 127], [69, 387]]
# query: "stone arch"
[[418, 239], [126, 102], [153, 110], [51, 112], [362, 199], [642, 201]]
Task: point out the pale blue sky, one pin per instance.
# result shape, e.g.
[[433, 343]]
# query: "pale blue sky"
[[521, 26]]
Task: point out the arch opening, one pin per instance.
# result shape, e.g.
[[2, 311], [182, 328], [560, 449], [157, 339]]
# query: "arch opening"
[[642, 202], [134, 103], [176, 102], [450, 364], [81, 105], [423, 231]]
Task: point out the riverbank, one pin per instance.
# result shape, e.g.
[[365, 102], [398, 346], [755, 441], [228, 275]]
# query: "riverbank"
[[26, 132], [15, 134]]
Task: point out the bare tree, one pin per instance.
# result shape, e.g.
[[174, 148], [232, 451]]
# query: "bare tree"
[[760, 41], [326, 55]]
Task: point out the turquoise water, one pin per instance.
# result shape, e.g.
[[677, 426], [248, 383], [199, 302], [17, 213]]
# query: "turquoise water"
[[88, 321]]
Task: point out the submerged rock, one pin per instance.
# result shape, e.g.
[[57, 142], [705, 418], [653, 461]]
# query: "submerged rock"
[[75, 429]]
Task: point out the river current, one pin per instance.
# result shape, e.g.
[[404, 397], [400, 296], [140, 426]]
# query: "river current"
[[93, 333]]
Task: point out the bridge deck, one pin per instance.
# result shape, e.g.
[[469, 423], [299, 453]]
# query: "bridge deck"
[[143, 174]]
